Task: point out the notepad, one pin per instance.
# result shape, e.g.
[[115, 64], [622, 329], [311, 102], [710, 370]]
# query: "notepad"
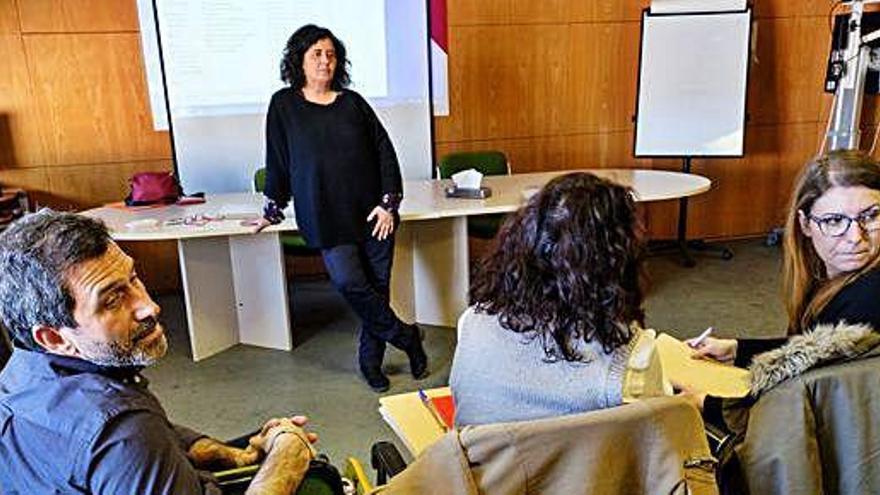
[[709, 376], [412, 422]]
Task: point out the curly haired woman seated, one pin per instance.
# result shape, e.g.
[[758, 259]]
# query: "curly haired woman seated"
[[555, 325]]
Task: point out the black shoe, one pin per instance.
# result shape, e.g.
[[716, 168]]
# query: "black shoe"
[[376, 380], [418, 360]]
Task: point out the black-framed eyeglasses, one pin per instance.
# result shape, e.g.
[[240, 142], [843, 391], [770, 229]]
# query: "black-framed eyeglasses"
[[838, 224]]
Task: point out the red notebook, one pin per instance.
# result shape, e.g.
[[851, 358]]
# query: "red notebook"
[[445, 406]]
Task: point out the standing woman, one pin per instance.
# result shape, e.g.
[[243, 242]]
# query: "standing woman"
[[326, 148]]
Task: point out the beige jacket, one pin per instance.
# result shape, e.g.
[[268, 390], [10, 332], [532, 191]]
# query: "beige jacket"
[[654, 446], [814, 432]]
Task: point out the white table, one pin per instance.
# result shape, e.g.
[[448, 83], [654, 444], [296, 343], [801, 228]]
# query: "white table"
[[234, 282]]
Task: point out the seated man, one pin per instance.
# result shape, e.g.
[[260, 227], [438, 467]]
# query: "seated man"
[[75, 414]]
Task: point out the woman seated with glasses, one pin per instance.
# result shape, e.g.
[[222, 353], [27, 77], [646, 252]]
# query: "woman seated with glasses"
[[831, 263], [555, 325]]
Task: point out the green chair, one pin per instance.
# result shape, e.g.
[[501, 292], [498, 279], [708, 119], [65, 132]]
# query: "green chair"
[[322, 478], [487, 163], [293, 243]]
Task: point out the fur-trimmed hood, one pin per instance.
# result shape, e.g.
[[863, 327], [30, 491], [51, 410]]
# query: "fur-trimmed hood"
[[825, 343]]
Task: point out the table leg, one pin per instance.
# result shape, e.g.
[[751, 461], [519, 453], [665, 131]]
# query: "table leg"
[[209, 292], [402, 287], [236, 292], [431, 276], [261, 290]]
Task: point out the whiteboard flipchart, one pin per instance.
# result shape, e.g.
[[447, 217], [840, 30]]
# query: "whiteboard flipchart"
[[693, 75]]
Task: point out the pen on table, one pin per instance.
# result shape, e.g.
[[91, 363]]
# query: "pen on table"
[[426, 401], [699, 340]]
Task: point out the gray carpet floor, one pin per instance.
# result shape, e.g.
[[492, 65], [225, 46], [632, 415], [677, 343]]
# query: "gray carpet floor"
[[231, 393]]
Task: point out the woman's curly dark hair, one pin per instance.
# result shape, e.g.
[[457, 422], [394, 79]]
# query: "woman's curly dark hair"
[[297, 46], [567, 267]]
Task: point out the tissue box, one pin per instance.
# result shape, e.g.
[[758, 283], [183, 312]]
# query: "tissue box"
[[459, 192]]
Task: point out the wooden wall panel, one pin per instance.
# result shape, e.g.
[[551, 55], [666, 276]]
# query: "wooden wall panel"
[[78, 16], [76, 187], [798, 144], [507, 12], [603, 150], [565, 81], [487, 84], [33, 180], [91, 90], [524, 154], [787, 79], [622, 10], [8, 17], [569, 152], [789, 8], [566, 11], [749, 195], [499, 12], [870, 114], [22, 130], [600, 90], [561, 152], [475, 12]]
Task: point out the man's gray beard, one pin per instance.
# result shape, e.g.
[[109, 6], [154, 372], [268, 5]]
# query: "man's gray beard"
[[116, 355]]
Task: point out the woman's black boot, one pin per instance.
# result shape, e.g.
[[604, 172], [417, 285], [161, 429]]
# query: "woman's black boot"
[[418, 360]]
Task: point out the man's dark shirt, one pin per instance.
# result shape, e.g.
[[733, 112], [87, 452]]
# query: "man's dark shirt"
[[69, 426]]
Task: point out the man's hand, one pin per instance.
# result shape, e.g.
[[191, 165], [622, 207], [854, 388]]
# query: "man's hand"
[[288, 451], [207, 453], [384, 222], [264, 440]]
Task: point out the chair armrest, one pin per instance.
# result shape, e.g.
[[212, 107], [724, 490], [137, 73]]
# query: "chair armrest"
[[386, 460], [721, 442]]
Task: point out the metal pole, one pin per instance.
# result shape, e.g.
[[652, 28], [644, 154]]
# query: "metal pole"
[[843, 133]]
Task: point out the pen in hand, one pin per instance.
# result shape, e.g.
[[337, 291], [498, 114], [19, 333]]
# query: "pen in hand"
[[694, 343]]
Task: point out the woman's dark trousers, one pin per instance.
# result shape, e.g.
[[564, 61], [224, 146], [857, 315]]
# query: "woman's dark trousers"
[[362, 274]]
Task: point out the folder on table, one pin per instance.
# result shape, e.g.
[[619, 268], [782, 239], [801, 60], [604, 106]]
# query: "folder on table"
[[413, 422], [709, 376]]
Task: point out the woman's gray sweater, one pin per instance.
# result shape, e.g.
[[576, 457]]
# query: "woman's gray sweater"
[[499, 375]]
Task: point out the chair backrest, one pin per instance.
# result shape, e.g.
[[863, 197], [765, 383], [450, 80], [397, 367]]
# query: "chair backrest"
[[650, 446], [486, 162], [828, 414], [260, 179]]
